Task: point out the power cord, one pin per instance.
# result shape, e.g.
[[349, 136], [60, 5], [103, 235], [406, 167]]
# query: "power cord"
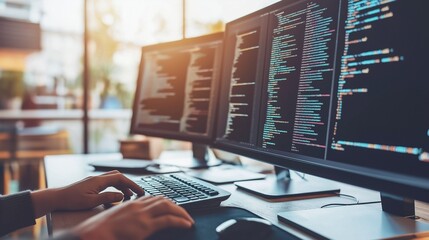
[[348, 204], [301, 175], [412, 217]]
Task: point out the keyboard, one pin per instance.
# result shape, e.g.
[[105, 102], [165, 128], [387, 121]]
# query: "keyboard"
[[185, 191]]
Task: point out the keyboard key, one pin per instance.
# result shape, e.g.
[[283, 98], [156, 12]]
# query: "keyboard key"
[[181, 199], [174, 195], [213, 193]]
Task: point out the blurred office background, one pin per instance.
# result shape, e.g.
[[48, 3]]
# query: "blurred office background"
[[50, 76]]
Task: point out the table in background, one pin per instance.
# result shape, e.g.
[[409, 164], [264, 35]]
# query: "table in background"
[[14, 118], [59, 114]]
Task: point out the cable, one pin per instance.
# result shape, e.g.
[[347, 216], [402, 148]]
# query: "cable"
[[343, 204], [301, 175], [349, 196], [348, 204], [413, 217]]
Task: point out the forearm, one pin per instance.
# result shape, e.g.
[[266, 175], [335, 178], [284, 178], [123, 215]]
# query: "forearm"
[[16, 211], [45, 201]]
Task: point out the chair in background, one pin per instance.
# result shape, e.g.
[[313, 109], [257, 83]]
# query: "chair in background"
[[8, 144], [22, 152], [21, 158], [33, 145]]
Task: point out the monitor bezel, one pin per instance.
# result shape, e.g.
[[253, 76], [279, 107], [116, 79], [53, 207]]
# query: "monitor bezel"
[[204, 139], [400, 184]]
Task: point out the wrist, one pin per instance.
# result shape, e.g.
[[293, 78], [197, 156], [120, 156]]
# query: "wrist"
[[45, 201], [87, 230]]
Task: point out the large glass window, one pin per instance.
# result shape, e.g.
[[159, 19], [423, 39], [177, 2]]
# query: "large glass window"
[[208, 16], [49, 81], [118, 28], [46, 79]]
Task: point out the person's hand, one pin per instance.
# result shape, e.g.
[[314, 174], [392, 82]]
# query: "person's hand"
[[85, 194], [136, 219]]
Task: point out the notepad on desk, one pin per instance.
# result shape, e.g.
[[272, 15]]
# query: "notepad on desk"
[[133, 165]]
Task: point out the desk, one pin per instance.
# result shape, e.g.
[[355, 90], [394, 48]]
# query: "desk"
[[66, 169]]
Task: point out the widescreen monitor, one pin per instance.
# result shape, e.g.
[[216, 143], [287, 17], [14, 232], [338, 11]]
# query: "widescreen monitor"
[[335, 88]]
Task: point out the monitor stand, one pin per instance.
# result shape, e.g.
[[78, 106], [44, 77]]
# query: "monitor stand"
[[284, 186], [201, 157], [360, 221]]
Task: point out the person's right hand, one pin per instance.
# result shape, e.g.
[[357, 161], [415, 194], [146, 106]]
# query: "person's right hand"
[[135, 219], [85, 194]]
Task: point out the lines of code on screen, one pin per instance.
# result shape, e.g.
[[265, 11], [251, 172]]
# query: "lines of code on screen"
[[176, 89]]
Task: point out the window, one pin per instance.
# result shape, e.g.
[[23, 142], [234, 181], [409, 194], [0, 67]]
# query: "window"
[[53, 76]]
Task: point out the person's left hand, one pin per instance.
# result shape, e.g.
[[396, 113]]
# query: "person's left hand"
[[85, 194]]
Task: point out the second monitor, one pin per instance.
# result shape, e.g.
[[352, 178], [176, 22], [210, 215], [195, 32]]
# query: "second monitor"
[[176, 94]]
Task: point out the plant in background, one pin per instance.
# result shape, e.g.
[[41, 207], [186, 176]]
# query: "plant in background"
[[12, 88]]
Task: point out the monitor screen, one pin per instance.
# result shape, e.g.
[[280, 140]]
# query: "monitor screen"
[[177, 89], [324, 82]]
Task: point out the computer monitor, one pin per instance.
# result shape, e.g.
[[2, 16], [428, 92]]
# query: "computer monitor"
[[335, 88], [176, 94]]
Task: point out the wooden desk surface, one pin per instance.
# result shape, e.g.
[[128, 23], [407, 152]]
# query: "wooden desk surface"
[[66, 169]]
